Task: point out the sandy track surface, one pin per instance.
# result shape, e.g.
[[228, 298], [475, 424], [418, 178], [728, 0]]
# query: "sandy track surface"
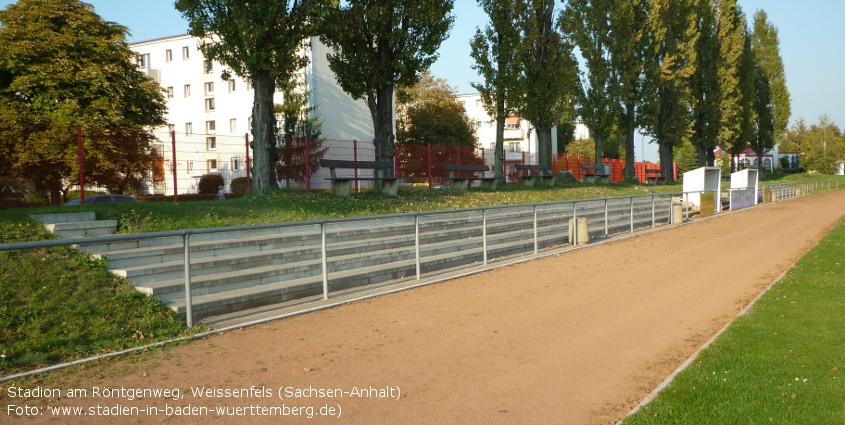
[[578, 338]]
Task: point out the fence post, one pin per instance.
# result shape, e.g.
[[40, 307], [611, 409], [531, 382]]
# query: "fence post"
[[605, 217], [325, 261], [484, 233], [574, 231], [307, 166], [186, 244], [430, 181], [652, 211], [523, 158], [355, 157], [632, 213], [80, 156], [173, 151], [536, 242], [248, 170], [417, 242]]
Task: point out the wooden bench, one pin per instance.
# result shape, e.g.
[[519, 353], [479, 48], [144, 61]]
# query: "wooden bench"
[[462, 183], [342, 186], [544, 174], [654, 176], [598, 175]]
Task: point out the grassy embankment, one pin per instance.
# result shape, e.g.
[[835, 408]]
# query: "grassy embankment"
[[782, 363]]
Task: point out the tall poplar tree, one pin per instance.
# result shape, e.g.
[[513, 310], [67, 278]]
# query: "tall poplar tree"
[[705, 85], [551, 74], [746, 74], [730, 26], [767, 48], [261, 40], [588, 23], [381, 44], [764, 123], [668, 117], [496, 55]]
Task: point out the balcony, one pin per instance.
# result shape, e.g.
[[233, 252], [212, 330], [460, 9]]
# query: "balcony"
[[514, 134]]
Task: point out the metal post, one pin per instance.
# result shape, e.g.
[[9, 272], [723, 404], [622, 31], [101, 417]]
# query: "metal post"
[[81, 158], [574, 228], [325, 260], [173, 148], [189, 313], [484, 233], [632, 213], [536, 242], [652, 211], [605, 217], [686, 207], [417, 242], [248, 173]]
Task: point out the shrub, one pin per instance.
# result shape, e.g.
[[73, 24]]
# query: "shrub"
[[209, 183], [238, 186]]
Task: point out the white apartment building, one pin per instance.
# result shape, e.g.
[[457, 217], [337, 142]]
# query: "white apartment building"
[[212, 117], [519, 136]]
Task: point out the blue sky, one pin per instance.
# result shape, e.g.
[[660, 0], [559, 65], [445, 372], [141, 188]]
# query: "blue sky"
[[811, 36]]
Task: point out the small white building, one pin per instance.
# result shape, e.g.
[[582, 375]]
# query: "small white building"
[[212, 117], [519, 136]]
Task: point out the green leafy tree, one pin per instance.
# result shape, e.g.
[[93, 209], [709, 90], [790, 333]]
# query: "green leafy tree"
[[588, 23], [61, 65], [381, 45], [795, 136], [550, 72], [823, 147], [496, 55], [686, 157], [669, 101], [730, 25], [764, 122], [261, 40], [300, 140], [705, 85], [631, 52], [767, 49], [428, 113], [746, 107]]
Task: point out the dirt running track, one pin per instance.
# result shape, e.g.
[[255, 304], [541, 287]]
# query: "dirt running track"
[[578, 338]]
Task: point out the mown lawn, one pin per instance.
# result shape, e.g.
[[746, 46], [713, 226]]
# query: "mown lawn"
[[782, 363]]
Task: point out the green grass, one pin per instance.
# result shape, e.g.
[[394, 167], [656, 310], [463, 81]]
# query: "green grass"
[[782, 363], [771, 178]]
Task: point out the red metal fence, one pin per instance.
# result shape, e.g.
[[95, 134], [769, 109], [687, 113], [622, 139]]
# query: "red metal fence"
[[46, 162]]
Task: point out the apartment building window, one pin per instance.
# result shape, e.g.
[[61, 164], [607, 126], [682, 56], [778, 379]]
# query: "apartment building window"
[[235, 164], [187, 90], [209, 104], [170, 92], [233, 125], [477, 103], [211, 166], [208, 66], [186, 53], [231, 85], [209, 87], [211, 143], [189, 128], [478, 125], [144, 60], [210, 126], [190, 167], [168, 55]]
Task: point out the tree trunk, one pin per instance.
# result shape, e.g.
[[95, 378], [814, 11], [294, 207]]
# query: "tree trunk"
[[711, 157], [761, 171], [264, 155], [544, 147], [499, 148], [381, 111], [702, 155], [667, 160], [599, 148], [629, 173]]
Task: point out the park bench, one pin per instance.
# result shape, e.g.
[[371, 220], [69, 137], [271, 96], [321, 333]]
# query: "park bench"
[[544, 174], [598, 175], [462, 183], [342, 186], [653, 176]]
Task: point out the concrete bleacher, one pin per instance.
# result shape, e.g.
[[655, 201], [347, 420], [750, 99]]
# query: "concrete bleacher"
[[233, 270]]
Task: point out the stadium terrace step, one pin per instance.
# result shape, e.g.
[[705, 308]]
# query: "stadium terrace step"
[[234, 270], [74, 225]]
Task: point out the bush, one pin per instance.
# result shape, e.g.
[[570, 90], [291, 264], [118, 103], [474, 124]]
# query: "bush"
[[238, 186], [209, 183]]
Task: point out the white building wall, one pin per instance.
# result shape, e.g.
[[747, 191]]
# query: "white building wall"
[[191, 90], [517, 141]]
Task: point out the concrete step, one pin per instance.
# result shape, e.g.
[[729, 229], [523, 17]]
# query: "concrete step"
[[82, 228], [64, 217]]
